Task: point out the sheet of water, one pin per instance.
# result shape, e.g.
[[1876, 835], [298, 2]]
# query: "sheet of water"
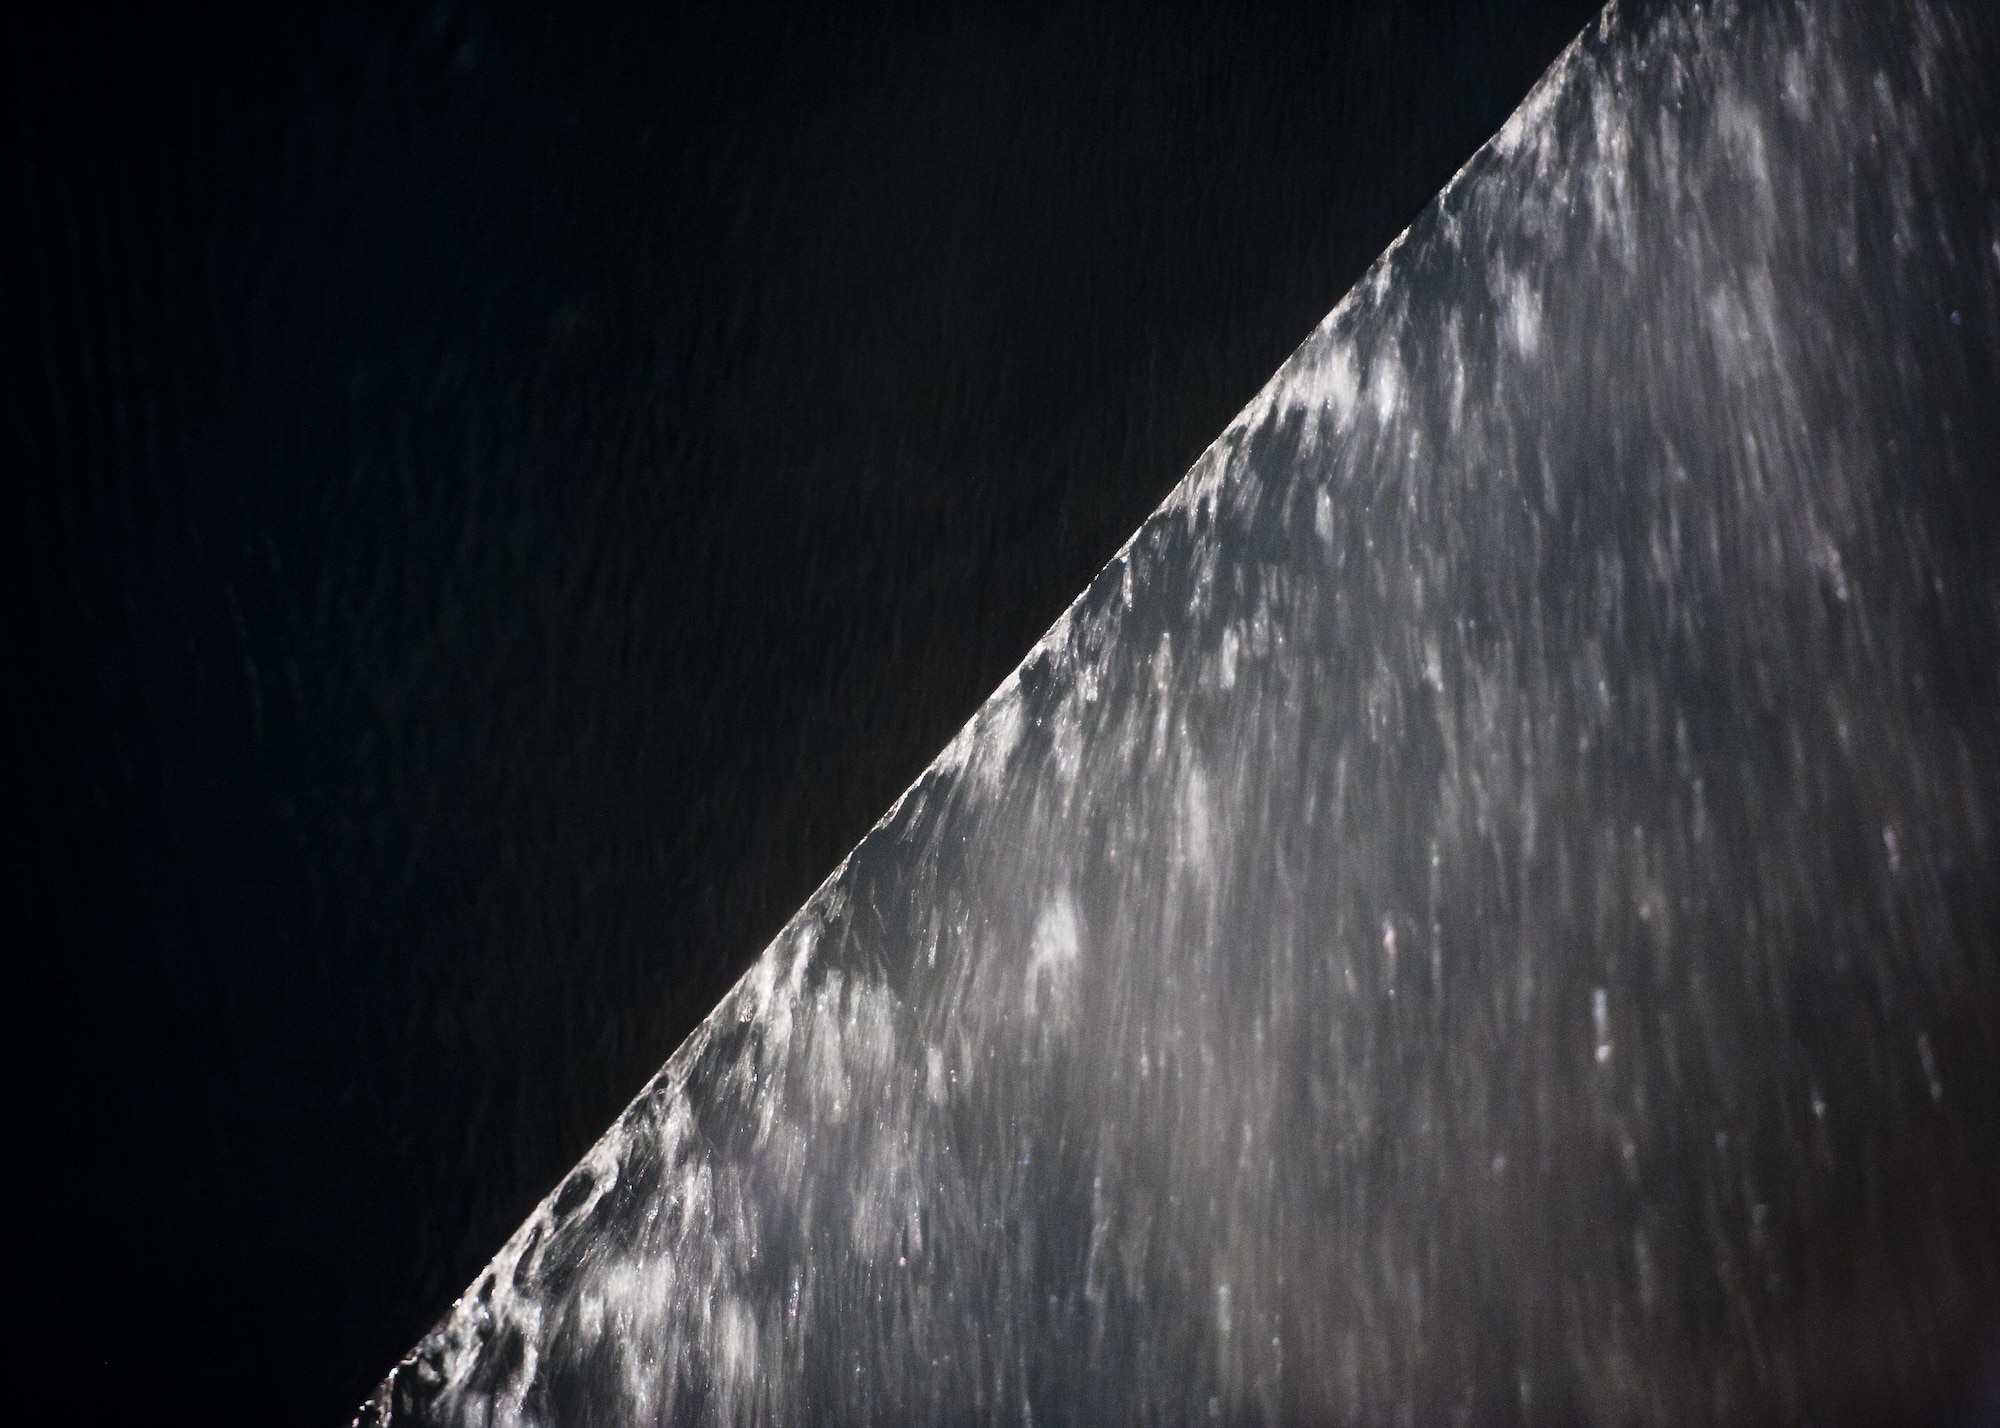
[[1486, 910]]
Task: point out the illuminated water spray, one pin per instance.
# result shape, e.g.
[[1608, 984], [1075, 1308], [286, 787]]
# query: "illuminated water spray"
[[1486, 910]]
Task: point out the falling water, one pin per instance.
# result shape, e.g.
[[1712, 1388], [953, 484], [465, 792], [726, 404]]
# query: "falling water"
[[1485, 910]]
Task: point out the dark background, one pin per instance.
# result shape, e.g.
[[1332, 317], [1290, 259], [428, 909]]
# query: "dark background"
[[498, 499]]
